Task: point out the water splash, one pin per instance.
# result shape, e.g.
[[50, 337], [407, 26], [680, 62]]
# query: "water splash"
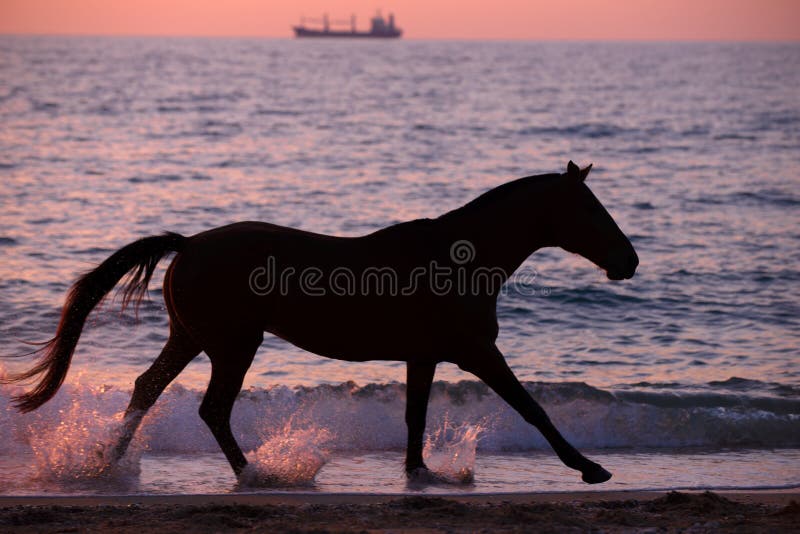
[[80, 447], [290, 457], [450, 452]]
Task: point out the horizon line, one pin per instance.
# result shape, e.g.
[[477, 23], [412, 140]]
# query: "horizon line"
[[698, 40]]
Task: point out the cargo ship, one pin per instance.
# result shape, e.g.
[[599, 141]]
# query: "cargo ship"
[[380, 29]]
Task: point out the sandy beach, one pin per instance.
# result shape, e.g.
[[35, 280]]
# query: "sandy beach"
[[577, 512]]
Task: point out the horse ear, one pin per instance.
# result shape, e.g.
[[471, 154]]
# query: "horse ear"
[[573, 171], [585, 172]]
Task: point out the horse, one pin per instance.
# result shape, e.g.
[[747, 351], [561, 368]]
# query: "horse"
[[422, 291]]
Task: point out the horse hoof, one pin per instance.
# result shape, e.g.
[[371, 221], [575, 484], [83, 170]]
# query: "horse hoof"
[[423, 475], [595, 475]]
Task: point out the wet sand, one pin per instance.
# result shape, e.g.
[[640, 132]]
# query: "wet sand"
[[578, 512]]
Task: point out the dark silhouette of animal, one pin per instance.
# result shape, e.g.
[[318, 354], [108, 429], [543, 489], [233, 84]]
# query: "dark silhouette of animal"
[[422, 292]]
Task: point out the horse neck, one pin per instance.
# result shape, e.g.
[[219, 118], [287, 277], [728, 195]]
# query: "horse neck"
[[505, 227]]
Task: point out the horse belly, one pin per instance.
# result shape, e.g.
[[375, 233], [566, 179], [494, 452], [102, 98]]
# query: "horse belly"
[[343, 333]]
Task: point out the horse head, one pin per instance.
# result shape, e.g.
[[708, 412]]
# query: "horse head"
[[584, 227]]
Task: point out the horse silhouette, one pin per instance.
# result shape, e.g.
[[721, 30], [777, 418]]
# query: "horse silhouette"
[[427, 294]]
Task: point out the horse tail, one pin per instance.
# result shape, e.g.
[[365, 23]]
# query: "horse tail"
[[139, 260]]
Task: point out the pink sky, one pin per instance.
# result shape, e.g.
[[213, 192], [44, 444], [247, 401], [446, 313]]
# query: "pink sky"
[[739, 20]]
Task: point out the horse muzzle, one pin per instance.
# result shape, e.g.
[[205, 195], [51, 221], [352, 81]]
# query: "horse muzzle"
[[623, 269]]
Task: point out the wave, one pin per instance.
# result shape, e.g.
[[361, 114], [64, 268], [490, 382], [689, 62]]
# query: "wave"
[[760, 197], [591, 130], [371, 417]]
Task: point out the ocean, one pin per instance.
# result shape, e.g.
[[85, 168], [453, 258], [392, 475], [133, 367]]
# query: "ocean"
[[686, 376]]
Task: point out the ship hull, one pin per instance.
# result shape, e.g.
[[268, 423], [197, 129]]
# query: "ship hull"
[[305, 32]]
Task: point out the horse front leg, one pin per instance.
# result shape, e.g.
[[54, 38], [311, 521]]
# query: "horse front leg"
[[419, 377], [490, 366]]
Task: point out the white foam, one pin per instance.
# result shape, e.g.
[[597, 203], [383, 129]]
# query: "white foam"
[[371, 418]]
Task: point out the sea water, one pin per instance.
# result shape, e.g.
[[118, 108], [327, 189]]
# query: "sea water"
[[688, 375]]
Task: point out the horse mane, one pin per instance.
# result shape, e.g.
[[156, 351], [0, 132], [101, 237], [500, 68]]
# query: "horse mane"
[[504, 191]]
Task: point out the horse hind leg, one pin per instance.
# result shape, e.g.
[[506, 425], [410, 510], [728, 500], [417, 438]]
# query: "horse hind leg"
[[176, 354], [228, 368]]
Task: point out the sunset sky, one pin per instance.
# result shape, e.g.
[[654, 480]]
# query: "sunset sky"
[[737, 20]]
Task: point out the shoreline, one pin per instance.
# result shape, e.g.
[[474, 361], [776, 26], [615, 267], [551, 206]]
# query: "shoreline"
[[770, 496], [607, 511]]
